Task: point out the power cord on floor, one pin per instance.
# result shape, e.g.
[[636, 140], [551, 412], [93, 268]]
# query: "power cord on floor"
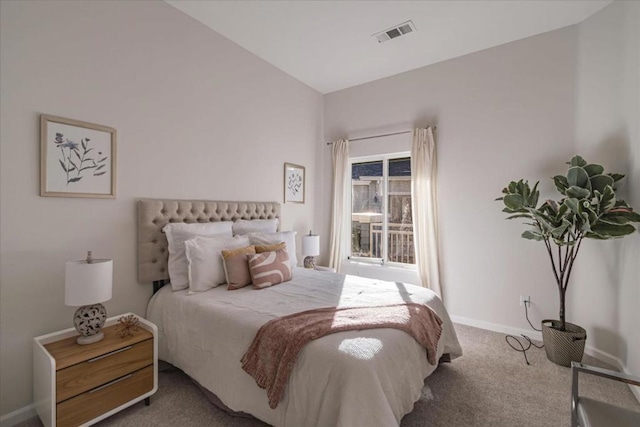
[[527, 339]]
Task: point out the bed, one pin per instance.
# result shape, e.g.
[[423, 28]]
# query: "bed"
[[368, 377]]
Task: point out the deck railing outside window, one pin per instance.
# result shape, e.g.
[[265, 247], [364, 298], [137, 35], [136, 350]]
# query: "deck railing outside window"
[[400, 242]]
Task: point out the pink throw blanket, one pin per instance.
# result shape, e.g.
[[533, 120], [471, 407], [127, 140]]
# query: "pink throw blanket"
[[273, 352]]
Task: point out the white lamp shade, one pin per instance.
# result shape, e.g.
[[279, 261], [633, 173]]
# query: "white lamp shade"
[[310, 245], [88, 283]]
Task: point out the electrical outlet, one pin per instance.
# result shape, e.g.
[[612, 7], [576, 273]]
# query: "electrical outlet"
[[524, 299]]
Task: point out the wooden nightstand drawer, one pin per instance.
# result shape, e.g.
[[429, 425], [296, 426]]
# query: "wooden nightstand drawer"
[[95, 402], [100, 370]]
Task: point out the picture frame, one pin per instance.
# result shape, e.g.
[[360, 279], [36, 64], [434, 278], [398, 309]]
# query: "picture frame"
[[294, 183], [77, 159]]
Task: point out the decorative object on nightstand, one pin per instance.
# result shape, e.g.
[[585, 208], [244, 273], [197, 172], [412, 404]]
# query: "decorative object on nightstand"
[[310, 249], [82, 384], [87, 284], [127, 325]]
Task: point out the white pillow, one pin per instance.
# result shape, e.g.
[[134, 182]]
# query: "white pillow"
[[289, 237], [179, 232], [206, 268], [244, 226]]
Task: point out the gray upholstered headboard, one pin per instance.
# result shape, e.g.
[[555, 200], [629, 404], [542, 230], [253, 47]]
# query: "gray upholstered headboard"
[[153, 214]]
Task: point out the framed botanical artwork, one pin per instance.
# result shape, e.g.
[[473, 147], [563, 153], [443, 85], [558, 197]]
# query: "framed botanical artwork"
[[293, 183], [77, 159]]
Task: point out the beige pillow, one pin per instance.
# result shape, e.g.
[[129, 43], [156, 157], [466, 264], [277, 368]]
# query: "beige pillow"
[[236, 267], [270, 248], [269, 268]]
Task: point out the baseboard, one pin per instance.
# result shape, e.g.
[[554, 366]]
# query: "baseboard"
[[18, 416], [605, 357], [535, 335]]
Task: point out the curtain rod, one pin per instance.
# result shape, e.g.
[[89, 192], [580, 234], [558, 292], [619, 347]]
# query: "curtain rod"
[[383, 135]]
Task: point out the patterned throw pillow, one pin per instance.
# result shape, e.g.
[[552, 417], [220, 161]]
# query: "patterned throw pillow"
[[269, 268], [236, 267], [289, 237]]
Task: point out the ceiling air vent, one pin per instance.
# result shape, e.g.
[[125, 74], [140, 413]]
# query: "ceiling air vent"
[[397, 31]]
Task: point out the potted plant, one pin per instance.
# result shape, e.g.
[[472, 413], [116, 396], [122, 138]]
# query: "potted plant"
[[589, 209]]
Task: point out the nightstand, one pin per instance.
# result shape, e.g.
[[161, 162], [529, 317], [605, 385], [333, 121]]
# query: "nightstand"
[[82, 384]]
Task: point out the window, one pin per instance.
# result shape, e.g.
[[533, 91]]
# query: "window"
[[381, 222]]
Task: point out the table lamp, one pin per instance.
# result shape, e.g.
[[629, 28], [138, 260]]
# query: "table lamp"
[[87, 283], [311, 249]]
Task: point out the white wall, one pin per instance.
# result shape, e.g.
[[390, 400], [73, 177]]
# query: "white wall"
[[196, 115], [504, 113], [606, 284]]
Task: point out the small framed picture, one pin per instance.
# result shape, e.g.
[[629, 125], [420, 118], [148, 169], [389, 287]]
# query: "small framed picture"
[[77, 159], [293, 183]]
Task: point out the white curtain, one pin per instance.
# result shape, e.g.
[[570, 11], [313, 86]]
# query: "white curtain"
[[340, 182], [424, 205]]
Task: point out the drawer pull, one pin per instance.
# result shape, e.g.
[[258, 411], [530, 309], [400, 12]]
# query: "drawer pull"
[[109, 354], [110, 383]]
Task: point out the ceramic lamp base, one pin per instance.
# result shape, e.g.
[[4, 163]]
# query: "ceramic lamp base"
[[91, 339], [88, 320], [310, 262]]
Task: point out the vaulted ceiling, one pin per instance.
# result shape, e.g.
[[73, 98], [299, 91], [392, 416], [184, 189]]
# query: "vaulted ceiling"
[[328, 45]]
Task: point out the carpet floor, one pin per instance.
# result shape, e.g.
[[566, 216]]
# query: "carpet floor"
[[489, 386]]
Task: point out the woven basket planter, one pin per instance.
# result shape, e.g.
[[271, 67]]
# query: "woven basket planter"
[[563, 347]]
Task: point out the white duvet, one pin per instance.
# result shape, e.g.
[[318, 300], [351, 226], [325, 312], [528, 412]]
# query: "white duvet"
[[356, 378]]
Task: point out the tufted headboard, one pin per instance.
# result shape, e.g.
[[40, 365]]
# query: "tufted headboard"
[[153, 214]]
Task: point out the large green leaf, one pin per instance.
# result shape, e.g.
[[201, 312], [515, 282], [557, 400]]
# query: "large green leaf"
[[553, 205], [558, 232], [608, 230], [599, 182], [577, 161], [614, 219], [596, 236], [620, 203], [577, 192], [514, 201], [523, 189], [562, 212], [513, 211], [561, 183], [572, 204], [621, 216], [520, 215], [535, 194], [532, 235], [616, 176], [547, 223], [607, 200], [577, 176], [594, 169]]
